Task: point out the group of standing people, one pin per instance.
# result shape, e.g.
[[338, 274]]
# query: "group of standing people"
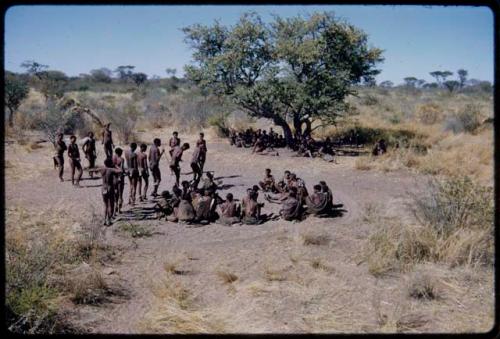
[[135, 163]]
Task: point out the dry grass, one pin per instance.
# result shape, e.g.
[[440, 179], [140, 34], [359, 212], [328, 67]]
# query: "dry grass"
[[455, 226], [175, 311], [227, 277], [272, 274], [318, 264], [41, 251], [424, 286], [315, 239]]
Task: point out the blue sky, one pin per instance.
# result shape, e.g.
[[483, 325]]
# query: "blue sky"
[[76, 39]]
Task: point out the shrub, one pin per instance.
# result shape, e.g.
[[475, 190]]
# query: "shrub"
[[429, 114], [454, 203], [466, 120]]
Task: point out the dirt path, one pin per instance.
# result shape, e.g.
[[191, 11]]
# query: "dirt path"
[[301, 298]]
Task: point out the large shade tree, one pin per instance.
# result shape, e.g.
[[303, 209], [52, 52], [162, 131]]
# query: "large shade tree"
[[294, 71]]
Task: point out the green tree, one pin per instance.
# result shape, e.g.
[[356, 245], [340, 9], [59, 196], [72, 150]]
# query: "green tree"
[[124, 72], [16, 91], [139, 78], [410, 81], [386, 84], [171, 72], [462, 76], [53, 84], [294, 70], [441, 76], [451, 85], [34, 68], [101, 75]]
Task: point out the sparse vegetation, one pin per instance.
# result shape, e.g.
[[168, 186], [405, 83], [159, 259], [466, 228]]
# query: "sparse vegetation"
[[40, 252], [135, 230], [315, 239]]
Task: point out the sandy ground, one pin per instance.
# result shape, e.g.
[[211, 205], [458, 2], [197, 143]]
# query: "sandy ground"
[[340, 296]]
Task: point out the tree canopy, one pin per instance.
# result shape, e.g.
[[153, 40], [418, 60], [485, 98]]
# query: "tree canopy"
[[296, 70], [15, 91]]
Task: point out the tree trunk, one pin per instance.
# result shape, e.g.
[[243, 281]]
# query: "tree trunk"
[[297, 124], [11, 117], [286, 129], [307, 131]]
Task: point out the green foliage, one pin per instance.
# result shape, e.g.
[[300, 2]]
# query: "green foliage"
[[297, 67], [53, 84], [139, 78], [451, 85], [15, 91], [101, 75]]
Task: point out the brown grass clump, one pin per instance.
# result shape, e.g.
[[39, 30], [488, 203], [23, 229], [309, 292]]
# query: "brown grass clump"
[[429, 114], [423, 286], [411, 321], [174, 311], [456, 227], [227, 277], [40, 249], [363, 164], [275, 274], [87, 286], [315, 239], [319, 265]]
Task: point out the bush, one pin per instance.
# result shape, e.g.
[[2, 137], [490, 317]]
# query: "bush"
[[429, 114], [466, 120], [454, 203], [456, 227]]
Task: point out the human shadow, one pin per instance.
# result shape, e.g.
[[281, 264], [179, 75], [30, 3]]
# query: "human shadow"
[[138, 213], [93, 178], [335, 212], [350, 153], [90, 186], [228, 177], [227, 186]]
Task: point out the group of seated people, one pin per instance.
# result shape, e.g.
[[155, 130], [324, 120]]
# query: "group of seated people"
[[190, 204], [260, 138]]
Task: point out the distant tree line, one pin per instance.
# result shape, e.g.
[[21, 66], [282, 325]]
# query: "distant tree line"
[[442, 82]]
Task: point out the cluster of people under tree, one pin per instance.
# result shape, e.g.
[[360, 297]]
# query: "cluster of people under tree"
[[188, 202], [263, 142], [304, 144]]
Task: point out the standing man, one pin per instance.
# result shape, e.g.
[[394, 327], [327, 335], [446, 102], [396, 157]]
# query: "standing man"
[[154, 164], [174, 142], [107, 141], [142, 160], [119, 163], [60, 147], [89, 150], [202, 144], [109, 175], [176, 159], [133, 171], [196, 165], [74, 161]]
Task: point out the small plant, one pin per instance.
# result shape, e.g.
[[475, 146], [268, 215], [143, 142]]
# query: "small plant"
[[423, 286], [315, 239], [275, 275], [227, 277], [135, 230]]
